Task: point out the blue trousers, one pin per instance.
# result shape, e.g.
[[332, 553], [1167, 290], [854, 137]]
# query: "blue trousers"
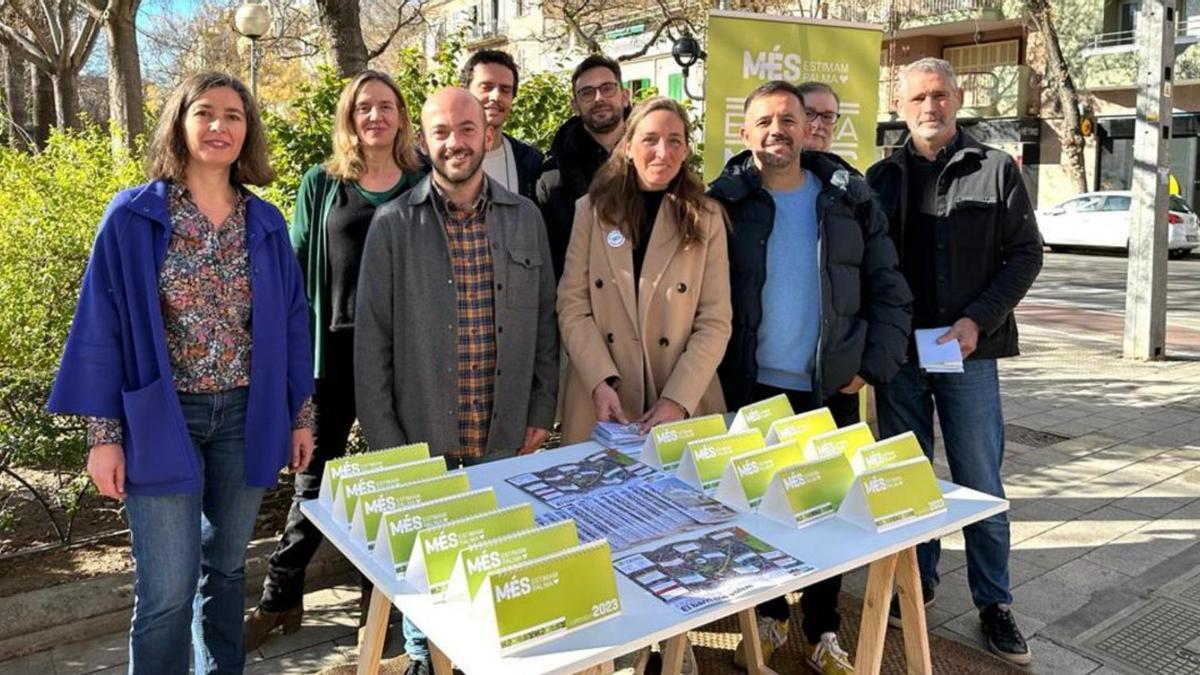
[[968, 407], [189, 551]]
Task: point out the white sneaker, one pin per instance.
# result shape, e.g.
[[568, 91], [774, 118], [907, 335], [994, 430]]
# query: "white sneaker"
[[827, 656]]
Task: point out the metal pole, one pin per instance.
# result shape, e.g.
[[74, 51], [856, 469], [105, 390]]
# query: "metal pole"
[[1146, 284], [254, 68]]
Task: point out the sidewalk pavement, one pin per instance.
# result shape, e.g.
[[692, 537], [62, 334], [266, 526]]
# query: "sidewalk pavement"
[[1103, 473]]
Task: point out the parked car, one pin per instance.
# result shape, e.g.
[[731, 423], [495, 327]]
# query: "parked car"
[[1103, 219]]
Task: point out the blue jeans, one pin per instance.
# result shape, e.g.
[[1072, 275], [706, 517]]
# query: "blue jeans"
[[968, 406], [189, 551]]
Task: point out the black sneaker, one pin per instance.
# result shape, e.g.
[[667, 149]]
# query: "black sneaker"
[[927, 594], [1003, 636]]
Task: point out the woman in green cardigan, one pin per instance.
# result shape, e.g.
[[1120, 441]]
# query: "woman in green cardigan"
[[373, 162]]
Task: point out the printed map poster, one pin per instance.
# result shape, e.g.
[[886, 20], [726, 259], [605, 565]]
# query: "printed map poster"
[[720, 566], [746, 49], [562, 484]]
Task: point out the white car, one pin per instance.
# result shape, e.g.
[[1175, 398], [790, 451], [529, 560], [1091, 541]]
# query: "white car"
[[1103, 219]]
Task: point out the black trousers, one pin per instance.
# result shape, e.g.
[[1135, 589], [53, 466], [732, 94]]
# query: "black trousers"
[[333, 407], [818, 602]]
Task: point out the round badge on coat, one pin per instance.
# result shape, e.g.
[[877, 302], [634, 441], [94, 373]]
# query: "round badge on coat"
[[616, 239]]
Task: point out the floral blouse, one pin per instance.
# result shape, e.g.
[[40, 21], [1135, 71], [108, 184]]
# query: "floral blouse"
[[204, 293]]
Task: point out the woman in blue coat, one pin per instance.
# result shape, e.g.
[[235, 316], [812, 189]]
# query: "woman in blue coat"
[[189, 357]]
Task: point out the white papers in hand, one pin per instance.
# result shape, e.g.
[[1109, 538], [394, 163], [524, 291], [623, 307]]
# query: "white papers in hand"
[[624, 437], [934, 357]]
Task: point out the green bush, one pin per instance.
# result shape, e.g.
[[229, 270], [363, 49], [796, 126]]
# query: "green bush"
[[50, 205]]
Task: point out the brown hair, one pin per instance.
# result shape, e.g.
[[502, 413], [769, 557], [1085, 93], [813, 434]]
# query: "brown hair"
[[167, 157], [617, 198], [347, 162]]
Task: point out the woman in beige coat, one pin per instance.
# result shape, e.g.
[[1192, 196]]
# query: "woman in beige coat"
[[643, 305]]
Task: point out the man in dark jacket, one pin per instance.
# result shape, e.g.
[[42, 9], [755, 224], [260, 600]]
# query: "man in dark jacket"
[[969, 248], [492, 77], [819, 306], [580, 147]]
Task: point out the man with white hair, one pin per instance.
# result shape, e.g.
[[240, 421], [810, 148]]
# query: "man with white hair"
[[969, 248]]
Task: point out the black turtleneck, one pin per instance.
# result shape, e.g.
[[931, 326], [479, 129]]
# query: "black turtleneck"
[[651, 201]]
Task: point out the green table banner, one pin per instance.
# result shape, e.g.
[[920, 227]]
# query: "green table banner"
[[477, 561], [437, 548], [762, 415], [352, 465], [746, 49], [889, 451], [893, 496], [801, 428], [398, 529], [704, 460], [372, 506], [803, 494], [845, 441], [665, 442], [350, 488], [547, 597], [747, 476]]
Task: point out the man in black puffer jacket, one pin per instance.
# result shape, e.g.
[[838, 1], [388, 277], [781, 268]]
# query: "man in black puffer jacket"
[[819, 305]]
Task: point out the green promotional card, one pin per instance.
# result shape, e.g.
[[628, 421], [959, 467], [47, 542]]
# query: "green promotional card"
[[747, 476], [845, 441], [887, 452], [351, 487], [802, 427], [665, 443], [802, 494], [372, 505], [548, 596], [437, 547], [704, 460], [477, 561], [398, 529], [352, 465], [762, 415], [895, 495]]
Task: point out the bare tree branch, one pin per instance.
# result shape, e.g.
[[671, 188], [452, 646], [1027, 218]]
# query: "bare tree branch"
[[653, 38], [401, 23]]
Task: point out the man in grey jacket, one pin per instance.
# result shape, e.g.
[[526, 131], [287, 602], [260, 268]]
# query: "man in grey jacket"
[[455, 341]]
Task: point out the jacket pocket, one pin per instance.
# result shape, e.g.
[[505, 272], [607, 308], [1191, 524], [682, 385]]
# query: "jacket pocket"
[[524, 271], [156, 449]]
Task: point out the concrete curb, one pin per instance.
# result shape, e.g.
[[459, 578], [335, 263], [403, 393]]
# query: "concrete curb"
[[73, 612]]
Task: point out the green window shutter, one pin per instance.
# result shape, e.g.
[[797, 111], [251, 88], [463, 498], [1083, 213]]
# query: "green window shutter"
[[675, 86]]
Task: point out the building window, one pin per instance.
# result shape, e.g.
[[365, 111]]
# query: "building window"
[[983, 57], [637, 86], [675, 86], [520, 7]]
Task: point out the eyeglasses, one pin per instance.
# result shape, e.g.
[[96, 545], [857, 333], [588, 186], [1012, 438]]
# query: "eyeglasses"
[[826, 117], [607, 90]]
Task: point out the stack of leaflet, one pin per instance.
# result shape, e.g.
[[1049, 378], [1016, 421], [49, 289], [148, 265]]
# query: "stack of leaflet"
[[624, 437], [938, 358]]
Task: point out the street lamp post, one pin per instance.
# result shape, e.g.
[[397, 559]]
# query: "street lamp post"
[[686, 51], [253, 20]]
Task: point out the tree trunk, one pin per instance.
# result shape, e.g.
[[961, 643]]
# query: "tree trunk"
[[66, 99], [341, 21], [1058, 79], [43, 106], [124, 76], [15, 86]]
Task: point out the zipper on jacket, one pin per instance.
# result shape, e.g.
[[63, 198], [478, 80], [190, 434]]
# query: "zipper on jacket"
[[822, 206]]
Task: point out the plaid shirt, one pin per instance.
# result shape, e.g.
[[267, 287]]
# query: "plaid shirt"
[[471, 265]]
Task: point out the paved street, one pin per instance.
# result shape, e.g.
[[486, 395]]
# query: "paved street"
[[1103, 475], [1083, 294]]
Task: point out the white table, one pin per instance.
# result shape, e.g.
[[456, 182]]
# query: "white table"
[[833, 546]]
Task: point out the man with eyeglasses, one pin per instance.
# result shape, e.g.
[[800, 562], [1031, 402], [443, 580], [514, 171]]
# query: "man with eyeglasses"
[[822, 109], [580, 147]]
